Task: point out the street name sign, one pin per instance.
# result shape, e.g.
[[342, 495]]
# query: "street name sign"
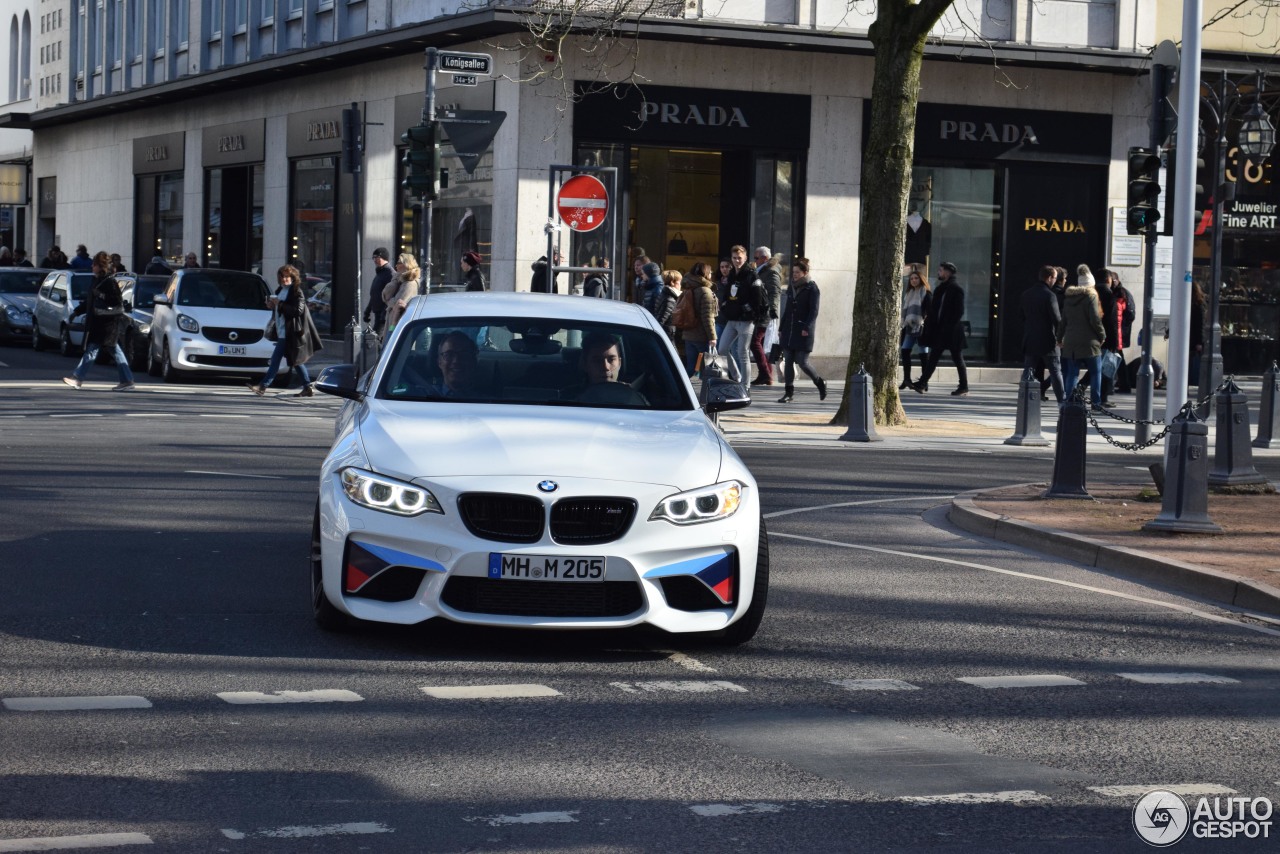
[[465, 63]]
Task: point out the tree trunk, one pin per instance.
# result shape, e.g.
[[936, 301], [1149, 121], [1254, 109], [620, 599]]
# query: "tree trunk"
[[898, 35]]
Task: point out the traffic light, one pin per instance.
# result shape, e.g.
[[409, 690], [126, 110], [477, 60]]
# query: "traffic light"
[[352, 144], [422, 160], [1144, 190]]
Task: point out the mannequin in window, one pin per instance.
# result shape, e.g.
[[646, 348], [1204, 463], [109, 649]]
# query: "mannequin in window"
[[919, 238]]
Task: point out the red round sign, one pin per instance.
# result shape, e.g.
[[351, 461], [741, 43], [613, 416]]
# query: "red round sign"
[[583, 203]]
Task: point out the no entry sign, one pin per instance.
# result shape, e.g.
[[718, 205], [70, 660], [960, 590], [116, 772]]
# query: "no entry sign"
[[583, 203]]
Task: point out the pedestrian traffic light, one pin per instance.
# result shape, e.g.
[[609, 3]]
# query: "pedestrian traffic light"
[[422, 159], [1144, 190]]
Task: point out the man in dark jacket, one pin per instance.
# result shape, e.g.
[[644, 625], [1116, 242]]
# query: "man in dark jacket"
[[742, 303], [944, 330], [538, 284], [81, 261], [1041, 331], [103, 310], [771, 281], [375, 313]]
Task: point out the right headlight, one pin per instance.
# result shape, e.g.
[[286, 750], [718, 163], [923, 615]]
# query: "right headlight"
[[188, 323], [387, 494], [706, 504]]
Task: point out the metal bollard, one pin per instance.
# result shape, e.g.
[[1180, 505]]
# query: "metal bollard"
[[1232, 454], [1069, 453], [1185, 504], [1026, 429], [862, 413], [1269, 409]]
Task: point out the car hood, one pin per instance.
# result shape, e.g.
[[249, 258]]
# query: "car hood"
[[677, 449], [23, 301]]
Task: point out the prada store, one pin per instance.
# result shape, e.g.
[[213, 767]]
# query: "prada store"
[[999, 193]]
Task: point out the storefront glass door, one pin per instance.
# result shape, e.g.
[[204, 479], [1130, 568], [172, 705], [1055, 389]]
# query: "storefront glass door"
[[233, 217], [313, 197]]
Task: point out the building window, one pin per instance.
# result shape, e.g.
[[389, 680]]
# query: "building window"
[[217, 8], [182, 23], [134, 34]]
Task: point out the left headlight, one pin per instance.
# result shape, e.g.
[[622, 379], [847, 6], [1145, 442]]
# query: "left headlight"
[[387, 494], [187, 323], [17, 315], [706, 504]]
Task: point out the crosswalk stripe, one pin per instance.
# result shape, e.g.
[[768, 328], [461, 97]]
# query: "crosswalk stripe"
[[301, 831], [874, 685], [242, 698], [71, 704], [488, 692], [1029, 681], [1020, 796], [67, 843], [1178, 678], [683, 686]]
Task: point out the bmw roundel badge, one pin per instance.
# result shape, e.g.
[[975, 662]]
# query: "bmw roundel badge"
[[548, 486]]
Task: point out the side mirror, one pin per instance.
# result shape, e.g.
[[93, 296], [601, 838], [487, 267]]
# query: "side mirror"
[[160, 299], [340, 381], [721, 395]]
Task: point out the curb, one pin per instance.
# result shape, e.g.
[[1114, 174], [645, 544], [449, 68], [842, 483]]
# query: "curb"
[[1121, 560]]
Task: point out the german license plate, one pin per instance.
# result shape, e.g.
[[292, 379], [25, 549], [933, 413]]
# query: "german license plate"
[[232, 350], [545, 567]]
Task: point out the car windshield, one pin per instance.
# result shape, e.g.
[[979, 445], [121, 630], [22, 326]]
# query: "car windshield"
[[20, 283], [224, 290], [534, 362], [144, 292]]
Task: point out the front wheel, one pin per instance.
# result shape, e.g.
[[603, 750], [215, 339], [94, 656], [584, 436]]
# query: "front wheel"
[[37, 340], [154, 366], [745, 628], [326, 615], [167, 370]]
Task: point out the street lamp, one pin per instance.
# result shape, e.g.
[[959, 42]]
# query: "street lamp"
[[1255, 140]]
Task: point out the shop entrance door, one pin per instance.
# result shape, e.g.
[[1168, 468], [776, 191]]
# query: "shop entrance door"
[[676, 203], [233, 235]]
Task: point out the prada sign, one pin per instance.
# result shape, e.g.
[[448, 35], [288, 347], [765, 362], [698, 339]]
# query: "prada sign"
[[163, 153], [233, 144], [713, 117], [315, 133], [959, 131]]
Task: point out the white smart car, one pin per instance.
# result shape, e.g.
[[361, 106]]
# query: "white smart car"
[[209, 321], [535, 461]]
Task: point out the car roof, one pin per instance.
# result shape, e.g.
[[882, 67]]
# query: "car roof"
[[549, 306]]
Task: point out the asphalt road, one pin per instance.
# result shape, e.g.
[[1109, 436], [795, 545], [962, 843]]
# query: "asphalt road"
[[153, 559]]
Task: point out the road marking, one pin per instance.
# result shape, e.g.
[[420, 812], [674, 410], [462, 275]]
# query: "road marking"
[[1036, 681], [151, 415], [717, 810], [874, 684], [236, 474], [66, 843], [1171, 606], [243, 698], [488, 692], [219, 415], [71, 704], [684, 686], [1177, 789], [301, 831], [1178, 678], [1020, 796], [527, 818], [688, 662], [79, 415], [779, 513]]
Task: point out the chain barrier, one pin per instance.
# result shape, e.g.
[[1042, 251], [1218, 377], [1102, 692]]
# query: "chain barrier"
[[1077, 396]]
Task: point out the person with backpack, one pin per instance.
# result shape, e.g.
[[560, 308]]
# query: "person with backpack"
[[695, 315]]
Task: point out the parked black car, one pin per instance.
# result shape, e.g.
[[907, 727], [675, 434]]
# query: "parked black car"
[[18, 289]]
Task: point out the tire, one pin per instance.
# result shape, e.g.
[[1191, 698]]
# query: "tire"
[[168, 372], [153, 364], [65, 347], [745, 628], [37, 340], [327, 617]]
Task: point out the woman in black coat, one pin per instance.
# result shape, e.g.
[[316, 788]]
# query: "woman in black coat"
[[103, 310], [293, 330], [471, 267], [796, 332]]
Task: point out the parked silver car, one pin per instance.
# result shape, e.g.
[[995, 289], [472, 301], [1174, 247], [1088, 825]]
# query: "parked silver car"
[[60, 293], [18, 289]]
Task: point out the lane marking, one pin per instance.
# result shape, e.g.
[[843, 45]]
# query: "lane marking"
[[301, 831], [1177, 788], [795, 510], [1178, 678], [71, 704], [682, 686], [487, 692], [236, 474], [688, 662], [245, 698], [1171, 606], [67, 843], [527, 818], [1046, 680], [1020, 796], [151, 415], [219, 415], [717, 810], [79, 415], [874, 684]]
